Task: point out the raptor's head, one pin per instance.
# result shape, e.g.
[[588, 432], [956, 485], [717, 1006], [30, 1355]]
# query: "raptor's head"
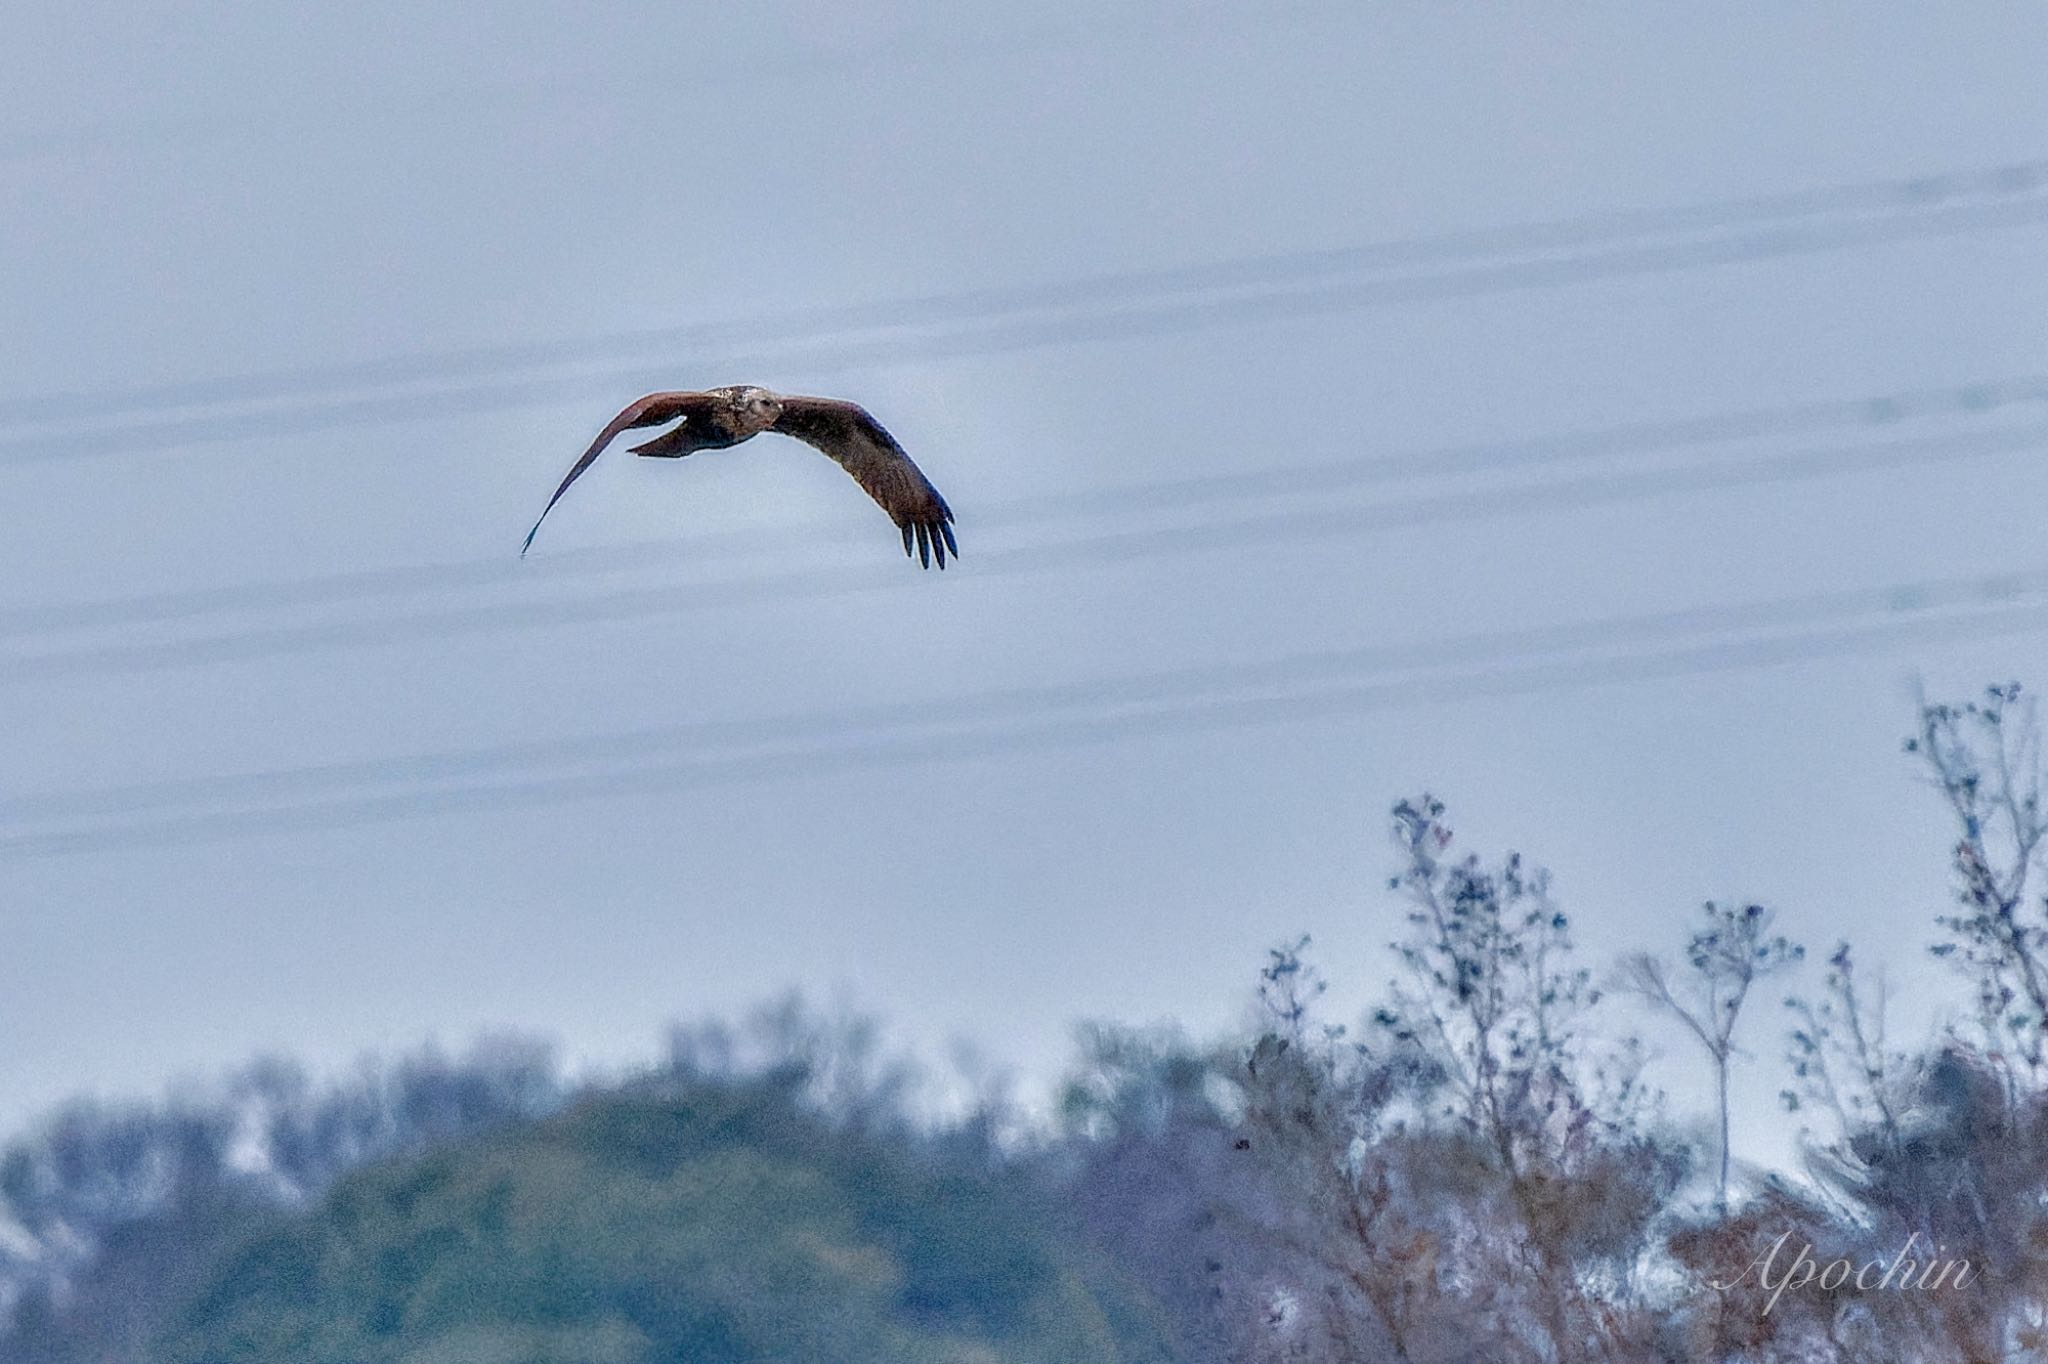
[[756, 408]]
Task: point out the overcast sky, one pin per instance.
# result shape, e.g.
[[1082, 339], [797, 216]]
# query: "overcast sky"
[[296, 292]]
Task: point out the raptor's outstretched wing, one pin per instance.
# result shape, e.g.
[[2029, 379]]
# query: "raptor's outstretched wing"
[[652, 410], [857, 441]]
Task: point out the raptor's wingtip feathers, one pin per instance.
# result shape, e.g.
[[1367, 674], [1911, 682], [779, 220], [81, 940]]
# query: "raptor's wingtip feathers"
[[925, 541]]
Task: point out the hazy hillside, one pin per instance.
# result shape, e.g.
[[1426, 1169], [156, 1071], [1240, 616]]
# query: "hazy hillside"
[[634, 1228]]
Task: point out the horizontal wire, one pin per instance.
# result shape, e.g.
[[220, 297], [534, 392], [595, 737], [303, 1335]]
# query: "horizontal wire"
[[1095, 312], [1974, 398], [1171, 713], [1908, 192], [1120, 546], [1480, 647]]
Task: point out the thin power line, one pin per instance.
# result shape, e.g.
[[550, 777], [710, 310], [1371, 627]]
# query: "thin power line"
[[1804, 611], [1907, 193], [988, 321], [1018, 721], [1118, 546], [1974, 399]]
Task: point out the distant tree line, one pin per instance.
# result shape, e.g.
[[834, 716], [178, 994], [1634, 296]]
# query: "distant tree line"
[[1474, 1171]]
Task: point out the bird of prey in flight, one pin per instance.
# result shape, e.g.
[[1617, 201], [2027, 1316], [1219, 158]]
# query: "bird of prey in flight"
[[722, 417]]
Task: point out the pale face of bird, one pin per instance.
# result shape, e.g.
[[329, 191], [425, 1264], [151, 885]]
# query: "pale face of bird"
[[754, 410]]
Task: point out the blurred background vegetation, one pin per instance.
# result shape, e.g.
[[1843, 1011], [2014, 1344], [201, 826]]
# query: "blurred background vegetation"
[[1474, 1171]]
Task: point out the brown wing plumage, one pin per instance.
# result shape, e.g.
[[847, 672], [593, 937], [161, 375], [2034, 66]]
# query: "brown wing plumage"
[[858, 443], [652, 410]]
